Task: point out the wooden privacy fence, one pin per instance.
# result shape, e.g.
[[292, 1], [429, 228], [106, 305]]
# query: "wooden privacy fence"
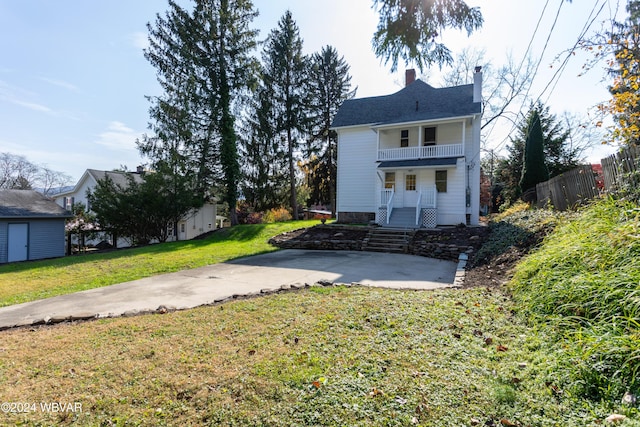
[[618, 168], [569, 189], [619, 171]]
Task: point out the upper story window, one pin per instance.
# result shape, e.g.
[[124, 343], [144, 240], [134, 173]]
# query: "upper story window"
[[404, 138], [429, 136]]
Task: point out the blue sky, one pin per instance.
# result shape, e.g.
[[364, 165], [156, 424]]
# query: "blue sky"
[[73, 78]]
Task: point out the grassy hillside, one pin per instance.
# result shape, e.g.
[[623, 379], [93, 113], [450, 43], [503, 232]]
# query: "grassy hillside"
[[583, 287], [28, 281]]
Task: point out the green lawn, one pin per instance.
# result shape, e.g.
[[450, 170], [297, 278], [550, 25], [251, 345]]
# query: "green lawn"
[[335, 356], [28, 281]]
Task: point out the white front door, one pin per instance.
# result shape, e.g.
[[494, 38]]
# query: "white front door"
[[18, 236], [410, 186]]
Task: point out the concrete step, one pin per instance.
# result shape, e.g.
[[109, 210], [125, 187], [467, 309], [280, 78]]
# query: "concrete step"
[[388, 240], [403, 218]]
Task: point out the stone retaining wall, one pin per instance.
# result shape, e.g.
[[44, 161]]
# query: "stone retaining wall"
[[446, 244]]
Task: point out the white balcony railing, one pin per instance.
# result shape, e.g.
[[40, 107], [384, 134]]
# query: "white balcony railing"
[[426, 152]]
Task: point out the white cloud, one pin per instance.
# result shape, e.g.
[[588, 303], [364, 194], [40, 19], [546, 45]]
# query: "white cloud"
[[17, 96], [139, 40], [31, 105], [60, 83], [118, 136]]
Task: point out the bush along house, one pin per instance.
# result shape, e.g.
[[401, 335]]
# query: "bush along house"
[[411, 159]]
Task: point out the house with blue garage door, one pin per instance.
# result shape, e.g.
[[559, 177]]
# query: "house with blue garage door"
[[31, 226]]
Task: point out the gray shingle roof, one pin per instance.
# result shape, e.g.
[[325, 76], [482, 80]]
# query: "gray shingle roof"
[[29, 204], [446, 161], [416, 102], [119, 178]]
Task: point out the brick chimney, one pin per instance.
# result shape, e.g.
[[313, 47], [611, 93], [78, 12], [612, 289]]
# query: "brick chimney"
[[477, 85], [409, 77]]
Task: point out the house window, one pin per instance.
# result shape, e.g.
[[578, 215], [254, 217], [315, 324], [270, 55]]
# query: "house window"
[[389, 180], [404, 138], [430, 136], [182, 227], [441, 181], [410, 182], [68, 203]]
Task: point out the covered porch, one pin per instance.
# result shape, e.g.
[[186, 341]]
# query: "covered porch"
[[422, 214], [410, 192]]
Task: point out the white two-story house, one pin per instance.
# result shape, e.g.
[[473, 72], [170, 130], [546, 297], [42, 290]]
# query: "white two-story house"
[[411, 159]]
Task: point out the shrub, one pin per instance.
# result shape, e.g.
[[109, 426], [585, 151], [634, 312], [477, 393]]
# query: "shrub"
[[277, 215], [583, 284], [246, 214]]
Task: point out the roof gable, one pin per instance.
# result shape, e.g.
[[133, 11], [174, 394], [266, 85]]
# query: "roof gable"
[[416, 102], [94, 175], [29, 204]]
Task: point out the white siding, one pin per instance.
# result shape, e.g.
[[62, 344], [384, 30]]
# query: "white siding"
[[80, 194], [199, 222], [356, 180], [473, 158], [451, 205]]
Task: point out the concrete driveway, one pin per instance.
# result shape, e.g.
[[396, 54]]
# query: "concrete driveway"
[[219, 282]]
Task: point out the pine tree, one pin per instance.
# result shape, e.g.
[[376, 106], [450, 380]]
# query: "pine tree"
[[409, 29], [328, 86], [265, 165], [204, 63], [560, 155], [284, 77], [534, 169]]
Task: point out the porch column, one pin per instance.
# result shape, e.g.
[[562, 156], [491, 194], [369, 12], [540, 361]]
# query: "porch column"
[[464, 132]]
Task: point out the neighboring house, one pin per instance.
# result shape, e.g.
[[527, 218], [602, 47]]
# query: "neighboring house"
[[31, 226], [193, 225], [411, 159]]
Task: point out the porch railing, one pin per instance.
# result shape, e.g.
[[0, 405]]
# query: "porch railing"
[[387, 199], [429, 197], [425, 152]]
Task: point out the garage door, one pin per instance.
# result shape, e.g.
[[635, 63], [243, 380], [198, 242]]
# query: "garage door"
[[18, 242]]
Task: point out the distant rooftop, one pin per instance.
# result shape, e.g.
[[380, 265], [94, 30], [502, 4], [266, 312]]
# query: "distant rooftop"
[[29, 204]]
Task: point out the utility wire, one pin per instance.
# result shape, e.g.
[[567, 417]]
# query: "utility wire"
[[535, 72], [524, 58], [556, 76]]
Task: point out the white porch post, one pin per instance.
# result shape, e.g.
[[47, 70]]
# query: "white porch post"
[[464, 133]]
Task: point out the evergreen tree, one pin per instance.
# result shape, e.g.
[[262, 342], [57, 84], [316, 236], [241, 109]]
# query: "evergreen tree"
[[328, 86], [204, 65], [284, 77], [560, 155], [265, 166], [409, 29], [534, 169]]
